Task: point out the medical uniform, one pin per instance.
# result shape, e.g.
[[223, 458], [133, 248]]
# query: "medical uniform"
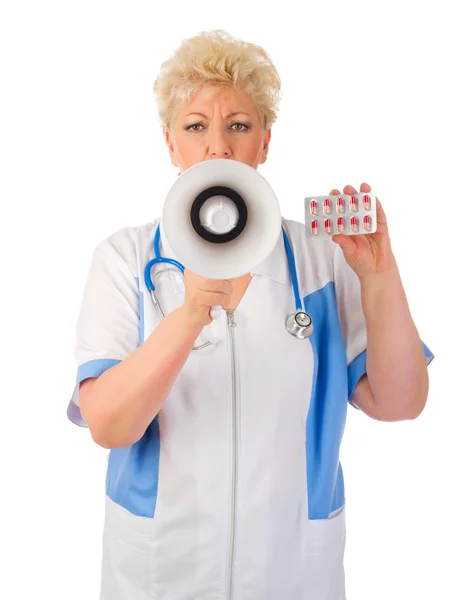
[[235, 491]]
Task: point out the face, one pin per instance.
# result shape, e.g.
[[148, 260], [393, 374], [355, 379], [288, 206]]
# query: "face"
[[217, 124]]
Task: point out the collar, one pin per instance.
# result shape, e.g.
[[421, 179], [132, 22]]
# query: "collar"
[[275, 266]]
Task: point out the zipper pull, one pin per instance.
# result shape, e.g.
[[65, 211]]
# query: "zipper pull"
[[231, 318]]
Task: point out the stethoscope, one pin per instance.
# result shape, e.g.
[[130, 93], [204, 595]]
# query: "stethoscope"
[[298, 324]]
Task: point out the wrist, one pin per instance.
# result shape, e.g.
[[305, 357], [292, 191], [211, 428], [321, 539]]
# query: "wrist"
[[381, 292], [380, 279], [192, 320]]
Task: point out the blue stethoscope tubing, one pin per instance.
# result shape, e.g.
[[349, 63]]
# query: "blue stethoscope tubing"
[[300, 314]]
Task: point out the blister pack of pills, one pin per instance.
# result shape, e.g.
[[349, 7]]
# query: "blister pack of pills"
[[349, 214]]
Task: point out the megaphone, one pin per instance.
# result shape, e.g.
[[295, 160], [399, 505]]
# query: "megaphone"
[[221, 218]]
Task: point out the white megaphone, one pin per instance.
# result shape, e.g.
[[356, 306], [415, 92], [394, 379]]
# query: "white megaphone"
[[221, 219]]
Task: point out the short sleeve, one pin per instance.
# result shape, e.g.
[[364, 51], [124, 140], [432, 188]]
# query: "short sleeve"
[[108, 325], [352, 321]]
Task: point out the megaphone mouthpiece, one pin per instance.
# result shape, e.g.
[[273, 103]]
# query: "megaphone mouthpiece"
[[219, 215]]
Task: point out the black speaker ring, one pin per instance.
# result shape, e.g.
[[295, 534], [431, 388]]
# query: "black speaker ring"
[[203, 196]]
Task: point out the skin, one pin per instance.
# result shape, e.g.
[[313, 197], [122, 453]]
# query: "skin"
[[214, 133], [396, 384], [240, 137]]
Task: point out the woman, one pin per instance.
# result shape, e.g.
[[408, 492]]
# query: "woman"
[[223, 481]]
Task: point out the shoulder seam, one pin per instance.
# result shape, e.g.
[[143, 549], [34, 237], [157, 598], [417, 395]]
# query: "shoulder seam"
[[110, 243]]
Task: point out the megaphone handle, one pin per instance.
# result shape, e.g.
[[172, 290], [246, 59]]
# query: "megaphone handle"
[[215, 311]]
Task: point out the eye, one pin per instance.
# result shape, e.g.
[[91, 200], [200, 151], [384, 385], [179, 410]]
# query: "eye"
[[194, 125], [245, 127]]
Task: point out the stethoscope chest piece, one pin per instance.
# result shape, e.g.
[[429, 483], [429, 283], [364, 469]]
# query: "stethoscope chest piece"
[[299, 324]]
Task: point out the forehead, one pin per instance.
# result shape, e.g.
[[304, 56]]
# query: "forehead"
[[228, 99]]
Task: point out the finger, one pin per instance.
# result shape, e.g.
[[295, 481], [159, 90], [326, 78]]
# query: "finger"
[[349, 189], [381, 216], [223, 286], [335, 192], [346, 243], [365, 187]]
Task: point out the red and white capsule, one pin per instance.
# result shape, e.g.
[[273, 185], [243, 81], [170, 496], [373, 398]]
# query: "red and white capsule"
[[328, 226], [314, 227], [353, 204], [340, 205], [367, 223], [313, 207], [327, 206], [341, 224], [367, 202], [354, 224]]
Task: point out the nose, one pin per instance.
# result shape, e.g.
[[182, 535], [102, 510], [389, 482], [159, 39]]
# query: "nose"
[[218, 144]]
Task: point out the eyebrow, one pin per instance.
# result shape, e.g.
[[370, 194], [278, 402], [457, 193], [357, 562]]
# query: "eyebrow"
[[239, 112]]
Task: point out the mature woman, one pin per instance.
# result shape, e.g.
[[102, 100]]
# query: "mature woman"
[[224, 480]]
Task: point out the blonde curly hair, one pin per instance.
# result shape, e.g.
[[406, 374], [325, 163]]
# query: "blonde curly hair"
[[215, 57]]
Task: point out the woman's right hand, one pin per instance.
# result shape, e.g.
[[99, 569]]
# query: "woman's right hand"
[[202, 293]]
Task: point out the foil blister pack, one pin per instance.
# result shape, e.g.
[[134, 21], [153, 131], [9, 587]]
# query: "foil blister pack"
[[349, 214]]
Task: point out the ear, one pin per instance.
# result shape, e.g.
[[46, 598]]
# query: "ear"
[[267, 141], [169, 140]]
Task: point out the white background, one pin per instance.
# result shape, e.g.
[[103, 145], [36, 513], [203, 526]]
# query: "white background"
[[372, 91]]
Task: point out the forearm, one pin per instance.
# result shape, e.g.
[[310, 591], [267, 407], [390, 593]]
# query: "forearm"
[[396, 365], [126, 398]]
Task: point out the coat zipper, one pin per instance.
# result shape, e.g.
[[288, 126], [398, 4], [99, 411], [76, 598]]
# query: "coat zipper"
[[233, 365]]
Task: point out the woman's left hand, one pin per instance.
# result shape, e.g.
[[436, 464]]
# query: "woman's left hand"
[[367, 254]]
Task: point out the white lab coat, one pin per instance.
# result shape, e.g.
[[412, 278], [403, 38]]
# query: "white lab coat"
[[235, 492]]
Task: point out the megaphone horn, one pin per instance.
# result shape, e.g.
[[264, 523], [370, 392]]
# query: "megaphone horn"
[[221, 219]]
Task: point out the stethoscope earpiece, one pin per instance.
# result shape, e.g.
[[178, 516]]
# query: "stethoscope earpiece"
[[299, 324]]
